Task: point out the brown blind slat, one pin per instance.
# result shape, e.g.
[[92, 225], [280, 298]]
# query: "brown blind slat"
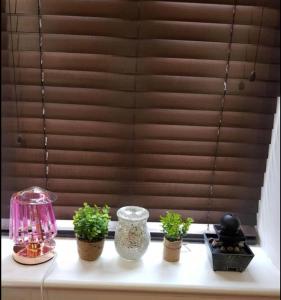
[[141, 174], [104, 8], [144, 82], [155, 47], [75, 44], [72, 61], [149, 146], [150, 29], [142, 131], [152, 116], [143, 99], [71, 78], [76, 25], [205, 85], [72, 95], [161, 161], [71, 127], [205, 101], [207, 32], [204, 12], [153, 66], [207, 50], [128, 9], [143, 188]]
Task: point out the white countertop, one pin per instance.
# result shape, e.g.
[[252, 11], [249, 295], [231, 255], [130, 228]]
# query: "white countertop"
[[193, 273]]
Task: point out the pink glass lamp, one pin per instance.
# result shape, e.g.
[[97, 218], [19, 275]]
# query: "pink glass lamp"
[[32, 225]]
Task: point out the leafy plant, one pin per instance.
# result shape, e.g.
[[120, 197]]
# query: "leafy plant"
[[174, 227], [91, 223]]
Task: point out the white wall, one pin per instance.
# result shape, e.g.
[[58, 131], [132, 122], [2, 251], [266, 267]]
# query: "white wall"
[[269, 205]]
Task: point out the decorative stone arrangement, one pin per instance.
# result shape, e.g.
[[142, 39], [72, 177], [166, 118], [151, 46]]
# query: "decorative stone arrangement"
[[227, 248]]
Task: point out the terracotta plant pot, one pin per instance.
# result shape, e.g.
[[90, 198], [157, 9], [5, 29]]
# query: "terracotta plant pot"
[[172, 250], [90, 250]]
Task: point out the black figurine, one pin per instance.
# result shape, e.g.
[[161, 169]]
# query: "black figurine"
[[230, 236]]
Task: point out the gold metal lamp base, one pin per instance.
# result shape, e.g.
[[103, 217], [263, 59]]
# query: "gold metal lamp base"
[[23, 255]]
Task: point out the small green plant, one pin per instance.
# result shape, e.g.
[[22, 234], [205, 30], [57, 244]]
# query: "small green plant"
[[174, 227], [91, 223]]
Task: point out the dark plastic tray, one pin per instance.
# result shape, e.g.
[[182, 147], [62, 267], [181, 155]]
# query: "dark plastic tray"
[[236, 262]]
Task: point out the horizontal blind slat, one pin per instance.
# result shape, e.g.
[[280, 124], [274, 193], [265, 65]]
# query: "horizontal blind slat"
[[70, 61], [26, 76], [208, 32], [269, 3], [147, 47], [143, 188], [126, 65], [201, 31], [206, 85], [142, 116], [74, 25], [19, 169], [71, 95], [205, 12], [205, 102], [143, 99], [72, 127], [179, 162], [74, 44], [145, 146], [207, 50], [142, 131], [143, 82], [105, 8]]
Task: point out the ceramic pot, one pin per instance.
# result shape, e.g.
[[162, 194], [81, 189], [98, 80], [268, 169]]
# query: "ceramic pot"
[[90, 250], [132, 236], [172, 250]]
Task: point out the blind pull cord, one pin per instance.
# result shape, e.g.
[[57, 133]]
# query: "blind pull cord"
[[227, 67], [253, 73], [42, 81], [131, 189], [19, 139], [241, 85]]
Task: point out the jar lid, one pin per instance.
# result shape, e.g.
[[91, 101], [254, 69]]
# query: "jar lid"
[[132, 213], [34, 195]]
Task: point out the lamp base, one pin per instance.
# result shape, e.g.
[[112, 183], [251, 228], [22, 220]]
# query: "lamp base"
[[20, 255]]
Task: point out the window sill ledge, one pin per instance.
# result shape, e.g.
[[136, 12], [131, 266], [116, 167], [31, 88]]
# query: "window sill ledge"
[[192, 274]]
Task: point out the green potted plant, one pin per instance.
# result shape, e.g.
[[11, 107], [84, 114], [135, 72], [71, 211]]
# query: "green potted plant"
[[91, 228], [174, 228]]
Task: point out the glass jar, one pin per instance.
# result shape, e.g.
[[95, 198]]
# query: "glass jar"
[[132, 236]]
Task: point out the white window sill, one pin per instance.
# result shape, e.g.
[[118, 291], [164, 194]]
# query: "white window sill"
[[191, 275]]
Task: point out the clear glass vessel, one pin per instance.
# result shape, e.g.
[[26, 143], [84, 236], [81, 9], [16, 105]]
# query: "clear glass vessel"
[[132, 236]]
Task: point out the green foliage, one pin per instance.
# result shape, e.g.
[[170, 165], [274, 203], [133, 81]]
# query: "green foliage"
[[174, 227], [91, 223]]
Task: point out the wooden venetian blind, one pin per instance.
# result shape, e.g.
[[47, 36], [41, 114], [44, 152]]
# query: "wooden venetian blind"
[[132, 102]]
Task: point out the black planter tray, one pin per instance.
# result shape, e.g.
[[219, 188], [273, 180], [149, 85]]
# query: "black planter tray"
[[236, 262]]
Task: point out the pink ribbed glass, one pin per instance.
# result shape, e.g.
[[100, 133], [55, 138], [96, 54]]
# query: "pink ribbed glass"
[[32, 216]]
